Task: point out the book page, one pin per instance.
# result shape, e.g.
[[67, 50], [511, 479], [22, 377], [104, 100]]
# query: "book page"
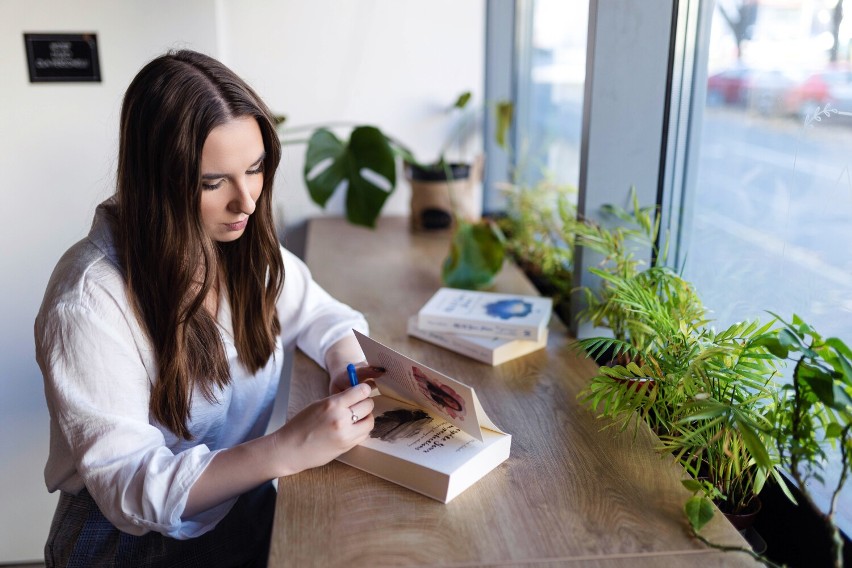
[[418, 436], [412, 382]]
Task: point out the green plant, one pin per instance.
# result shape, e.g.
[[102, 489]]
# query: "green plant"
[[663, 351], [708, 395], [476, 255], [617, 246], [813, 413], [540, 228], [722, 432], [703, 392]]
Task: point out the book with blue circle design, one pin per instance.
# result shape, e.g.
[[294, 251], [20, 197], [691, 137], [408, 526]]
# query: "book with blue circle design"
[[490, 314]]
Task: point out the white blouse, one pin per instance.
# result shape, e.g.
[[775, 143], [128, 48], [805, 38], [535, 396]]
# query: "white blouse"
[[99, 367]]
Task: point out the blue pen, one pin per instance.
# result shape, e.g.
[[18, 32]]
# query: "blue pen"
[[353, 376]]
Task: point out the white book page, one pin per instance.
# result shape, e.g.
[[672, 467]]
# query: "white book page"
[[409, 381], [415, 435]]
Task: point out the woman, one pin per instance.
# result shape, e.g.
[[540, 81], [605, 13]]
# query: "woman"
[[161, 339]]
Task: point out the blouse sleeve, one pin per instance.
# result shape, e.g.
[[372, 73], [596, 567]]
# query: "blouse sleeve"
[[309, 316], [98, 390]]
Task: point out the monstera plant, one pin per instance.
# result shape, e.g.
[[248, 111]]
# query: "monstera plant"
[[363, 165]]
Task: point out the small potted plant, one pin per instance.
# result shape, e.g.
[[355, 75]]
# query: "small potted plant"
[[540, 228]]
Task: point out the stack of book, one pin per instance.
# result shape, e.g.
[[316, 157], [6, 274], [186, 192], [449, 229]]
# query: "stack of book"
[[486, 326]]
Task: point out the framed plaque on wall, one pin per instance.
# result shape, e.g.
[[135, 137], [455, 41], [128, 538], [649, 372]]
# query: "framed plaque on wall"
[[62, 57]]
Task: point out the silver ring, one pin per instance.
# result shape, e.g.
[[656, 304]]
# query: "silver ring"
[[354, 416]]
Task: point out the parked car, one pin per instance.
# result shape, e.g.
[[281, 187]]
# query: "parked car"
[[831, 86], [728, 87], [768, 90], [759, 90]]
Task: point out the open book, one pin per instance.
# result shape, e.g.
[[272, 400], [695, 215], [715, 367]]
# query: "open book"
[[431, 433]]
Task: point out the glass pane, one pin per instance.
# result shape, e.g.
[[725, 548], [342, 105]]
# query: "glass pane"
[[552, 70], [771, 215]]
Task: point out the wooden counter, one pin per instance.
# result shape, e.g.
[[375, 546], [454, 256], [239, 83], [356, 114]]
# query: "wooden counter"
[[570, 494]]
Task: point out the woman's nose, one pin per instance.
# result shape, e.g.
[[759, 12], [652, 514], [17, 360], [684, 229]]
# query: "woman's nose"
[[242, 201]]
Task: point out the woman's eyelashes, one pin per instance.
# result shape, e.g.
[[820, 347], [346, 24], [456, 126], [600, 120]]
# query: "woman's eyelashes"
[[218, 184]]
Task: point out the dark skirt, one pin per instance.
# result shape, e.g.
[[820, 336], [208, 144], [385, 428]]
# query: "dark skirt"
[[80, 536]]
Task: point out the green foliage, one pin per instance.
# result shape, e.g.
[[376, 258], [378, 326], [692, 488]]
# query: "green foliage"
[[814, 412], [699, 511], [329, 164], [705, 393], [722, 432], [476, 255], [540, 225], [365, 165], [637, 229], [713, 398]]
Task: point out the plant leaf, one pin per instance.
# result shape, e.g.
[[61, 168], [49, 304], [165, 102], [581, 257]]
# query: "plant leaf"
[[773, 345], [754, 445], [822, 385], [463, 99], [505, 110], [365, 166], [324, 145], [699, 511], [476, 255]]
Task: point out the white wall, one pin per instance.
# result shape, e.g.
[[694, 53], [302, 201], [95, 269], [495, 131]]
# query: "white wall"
[[379, 61], [396, 64]]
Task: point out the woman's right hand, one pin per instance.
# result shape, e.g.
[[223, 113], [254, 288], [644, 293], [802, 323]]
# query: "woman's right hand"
[[325, 429]]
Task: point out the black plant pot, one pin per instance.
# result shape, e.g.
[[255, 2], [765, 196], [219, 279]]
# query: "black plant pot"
[[437, 172]]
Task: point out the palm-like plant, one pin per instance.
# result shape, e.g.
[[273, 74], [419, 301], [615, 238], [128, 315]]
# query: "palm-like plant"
[[617, 246], [722, 434], [661, 319], [704, 393]]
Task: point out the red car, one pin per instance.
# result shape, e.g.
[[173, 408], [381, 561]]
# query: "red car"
[[729, 87], [831, 86]]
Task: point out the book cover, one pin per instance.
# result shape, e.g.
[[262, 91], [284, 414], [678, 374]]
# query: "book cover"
[[431, 434], [488, 314], [491, 350]]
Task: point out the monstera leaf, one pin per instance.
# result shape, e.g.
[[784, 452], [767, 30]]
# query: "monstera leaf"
[[476, 255], [364, 167]]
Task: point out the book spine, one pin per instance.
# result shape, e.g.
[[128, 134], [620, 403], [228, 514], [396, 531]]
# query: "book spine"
[[455, 344], [483, 328]]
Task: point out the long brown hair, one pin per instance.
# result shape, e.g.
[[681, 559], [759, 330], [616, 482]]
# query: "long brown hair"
[[170, 263]]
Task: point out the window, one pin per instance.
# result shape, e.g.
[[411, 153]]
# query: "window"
[[545, 75], [552, 69], [766, 211], [771, 217]]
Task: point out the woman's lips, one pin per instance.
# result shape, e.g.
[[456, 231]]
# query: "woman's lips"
[[238, 226]]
